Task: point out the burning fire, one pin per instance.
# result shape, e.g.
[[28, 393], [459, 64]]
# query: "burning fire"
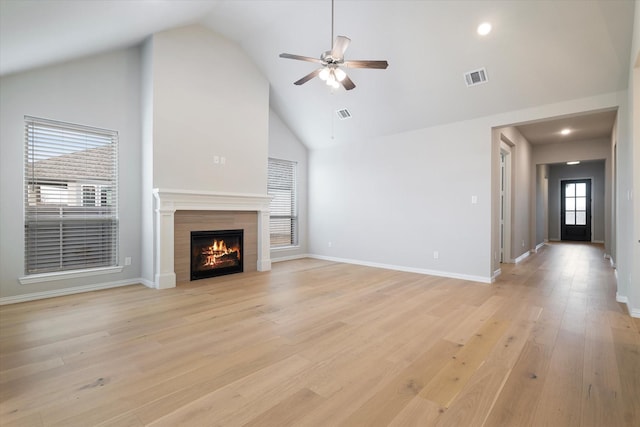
[[219, 253]]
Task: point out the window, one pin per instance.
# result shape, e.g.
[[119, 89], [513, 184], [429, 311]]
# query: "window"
[[284, 213], [575, 202], [70, 186]]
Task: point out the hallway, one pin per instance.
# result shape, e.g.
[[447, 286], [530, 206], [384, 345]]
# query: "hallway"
[[584, 344]]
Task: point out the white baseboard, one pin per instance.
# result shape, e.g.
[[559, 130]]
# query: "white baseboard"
[[147, 283], [608, 256], [68, 291], [438, 273], [522, 257], [598, 241], [496, 273], [539, 246], [634, 312]]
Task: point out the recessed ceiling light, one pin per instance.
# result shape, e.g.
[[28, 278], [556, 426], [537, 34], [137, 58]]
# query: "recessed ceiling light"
[[565, 131], [484, 28], [575, 162]]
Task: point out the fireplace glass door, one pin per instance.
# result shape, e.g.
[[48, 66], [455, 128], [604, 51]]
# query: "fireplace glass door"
[[216, 253]]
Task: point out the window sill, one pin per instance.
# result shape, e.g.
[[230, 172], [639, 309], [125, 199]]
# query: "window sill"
[[285, 248], [63, 275]]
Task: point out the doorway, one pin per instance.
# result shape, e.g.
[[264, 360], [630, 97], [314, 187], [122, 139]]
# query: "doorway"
[[505, 201], [575, 210]]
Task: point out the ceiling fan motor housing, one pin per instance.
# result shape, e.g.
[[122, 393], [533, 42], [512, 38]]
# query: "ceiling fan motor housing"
[[327, 58]]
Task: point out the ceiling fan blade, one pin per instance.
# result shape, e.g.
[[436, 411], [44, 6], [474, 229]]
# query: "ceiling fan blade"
[[307, 77], [347, 83], [366, 64], [339, 47], [300, 58]]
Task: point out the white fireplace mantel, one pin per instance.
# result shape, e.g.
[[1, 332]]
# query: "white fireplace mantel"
[[167, 202]]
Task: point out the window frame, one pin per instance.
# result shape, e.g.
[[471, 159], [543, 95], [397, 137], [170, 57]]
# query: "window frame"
[[288, 192], [81, 161]]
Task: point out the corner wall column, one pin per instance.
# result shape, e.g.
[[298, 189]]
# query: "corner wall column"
[[264, 241], [165, 276]]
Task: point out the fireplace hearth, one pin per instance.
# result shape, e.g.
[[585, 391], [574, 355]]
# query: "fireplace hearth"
[[216, 253]]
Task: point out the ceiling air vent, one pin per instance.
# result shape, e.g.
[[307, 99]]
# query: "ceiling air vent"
[[343, 114], [475, 77]]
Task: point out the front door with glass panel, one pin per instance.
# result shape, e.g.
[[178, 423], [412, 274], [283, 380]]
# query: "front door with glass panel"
[[575, 211]]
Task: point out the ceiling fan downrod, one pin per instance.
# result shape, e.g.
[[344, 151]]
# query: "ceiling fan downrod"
[[331, 40]]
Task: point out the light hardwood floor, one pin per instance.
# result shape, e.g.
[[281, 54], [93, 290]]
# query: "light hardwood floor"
[[315, 343]]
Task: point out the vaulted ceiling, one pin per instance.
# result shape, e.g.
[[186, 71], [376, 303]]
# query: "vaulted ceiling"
[[539, 52]]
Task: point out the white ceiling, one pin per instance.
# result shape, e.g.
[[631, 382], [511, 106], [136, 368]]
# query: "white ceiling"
[[539, 52]]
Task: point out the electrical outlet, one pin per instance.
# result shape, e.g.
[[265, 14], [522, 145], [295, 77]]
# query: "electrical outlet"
[[436, 255], [127, 261], [329, 244]]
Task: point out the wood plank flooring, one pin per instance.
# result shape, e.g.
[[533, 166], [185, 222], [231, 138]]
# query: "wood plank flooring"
[[316, 343]]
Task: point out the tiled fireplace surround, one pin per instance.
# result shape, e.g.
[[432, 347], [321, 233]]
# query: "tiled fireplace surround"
[[206, 209]]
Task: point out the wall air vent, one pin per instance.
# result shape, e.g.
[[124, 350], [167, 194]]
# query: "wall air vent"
[[475, 77], [343, 114]]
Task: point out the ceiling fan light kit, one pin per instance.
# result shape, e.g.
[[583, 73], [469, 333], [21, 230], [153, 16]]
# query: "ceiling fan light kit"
[[331, 60], [332, 75]]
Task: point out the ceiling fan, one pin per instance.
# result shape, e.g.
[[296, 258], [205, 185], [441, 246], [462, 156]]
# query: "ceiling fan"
[[331, 61]]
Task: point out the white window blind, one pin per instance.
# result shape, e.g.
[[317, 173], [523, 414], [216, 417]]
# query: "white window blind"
[[284, 213], [71, 201]]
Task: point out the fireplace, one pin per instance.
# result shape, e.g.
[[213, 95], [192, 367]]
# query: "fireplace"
[[170, 244], [215, 253]]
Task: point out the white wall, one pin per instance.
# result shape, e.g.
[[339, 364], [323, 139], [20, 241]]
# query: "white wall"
[[101, 91], [395, 200], [613, 190], [147, 200], [209, 100], [542, 204], [598, 149], [627, 221], [634, 282], [632, 240], [283, 144], [522, 239]]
